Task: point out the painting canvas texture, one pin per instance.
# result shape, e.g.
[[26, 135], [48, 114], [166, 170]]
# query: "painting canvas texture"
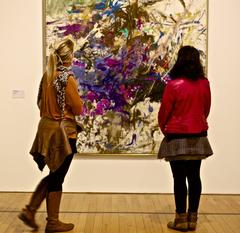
[[124, 51]]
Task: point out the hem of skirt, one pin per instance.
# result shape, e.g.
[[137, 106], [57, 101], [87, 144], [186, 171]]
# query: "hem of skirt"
[[184, 157]]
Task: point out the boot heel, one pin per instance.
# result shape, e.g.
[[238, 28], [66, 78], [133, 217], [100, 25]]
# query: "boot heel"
[[180, 223], [27, 217], [192, 221]]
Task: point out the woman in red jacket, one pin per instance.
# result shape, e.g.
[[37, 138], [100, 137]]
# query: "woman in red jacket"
[[183, 120]]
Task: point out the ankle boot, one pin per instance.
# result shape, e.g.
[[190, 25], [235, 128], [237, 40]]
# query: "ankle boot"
[[53, 223], [27, 215], [180, 223], [192, 221]]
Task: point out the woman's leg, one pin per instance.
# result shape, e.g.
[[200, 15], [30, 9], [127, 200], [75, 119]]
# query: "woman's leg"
[[55, 181], [180, 193], [194, 184], [51, 183], [195, 189], [27, 215], [180, 187]]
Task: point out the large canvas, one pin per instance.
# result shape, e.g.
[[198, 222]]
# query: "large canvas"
[[124, 51]]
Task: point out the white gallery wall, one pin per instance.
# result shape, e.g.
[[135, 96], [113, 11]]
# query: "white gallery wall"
[[21, 70]]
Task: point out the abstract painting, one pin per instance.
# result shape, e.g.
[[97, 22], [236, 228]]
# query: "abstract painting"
[[124, 51]]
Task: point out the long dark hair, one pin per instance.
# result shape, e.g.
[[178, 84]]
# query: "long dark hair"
[[188, 64]]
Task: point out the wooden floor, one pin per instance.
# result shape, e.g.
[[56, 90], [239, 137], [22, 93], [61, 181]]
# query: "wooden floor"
[[124, 213]]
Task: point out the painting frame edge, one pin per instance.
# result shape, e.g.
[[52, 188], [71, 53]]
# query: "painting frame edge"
[[117, 156]]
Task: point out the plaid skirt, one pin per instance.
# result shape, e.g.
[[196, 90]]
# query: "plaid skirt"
[[190, 148]]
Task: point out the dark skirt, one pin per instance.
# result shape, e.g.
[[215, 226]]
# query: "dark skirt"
[[190, 148]]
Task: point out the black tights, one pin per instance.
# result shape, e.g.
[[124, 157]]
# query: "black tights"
[[56, 179], [190, 170]]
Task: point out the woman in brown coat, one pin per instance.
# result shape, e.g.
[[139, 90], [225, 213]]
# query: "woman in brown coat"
[[55, 141]]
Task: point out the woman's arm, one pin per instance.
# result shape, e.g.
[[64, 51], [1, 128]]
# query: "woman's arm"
[[72, 96], [207, 102], [166, 106]]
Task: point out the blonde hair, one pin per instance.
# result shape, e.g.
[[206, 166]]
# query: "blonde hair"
[[60, 53]]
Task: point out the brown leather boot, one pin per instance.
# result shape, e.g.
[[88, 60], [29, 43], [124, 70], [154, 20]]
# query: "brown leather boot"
[[180, 223], [27, 215], [53, 224], [192, 221]]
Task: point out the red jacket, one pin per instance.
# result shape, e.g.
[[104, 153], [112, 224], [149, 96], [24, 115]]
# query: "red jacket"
[[185, 106]]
